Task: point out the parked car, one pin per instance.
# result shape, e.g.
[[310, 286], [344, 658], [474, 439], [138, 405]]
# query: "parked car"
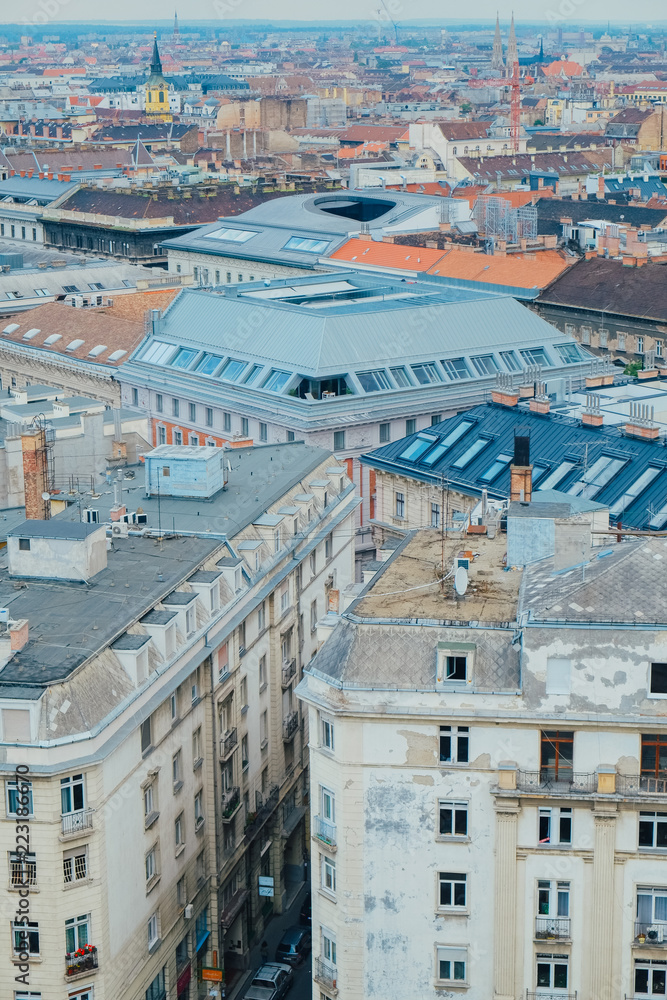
[[305, 915], [294, 946], [271, 982]]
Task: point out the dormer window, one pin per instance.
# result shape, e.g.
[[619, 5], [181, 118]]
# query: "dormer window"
[[454, 664]]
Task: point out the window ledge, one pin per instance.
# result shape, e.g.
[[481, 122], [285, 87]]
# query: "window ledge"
[[446, 985], [264, 744], [244, 709], [199, 824], [147, 752], [263, 687], [152, 948], [452, 911], [151, 819], [177, 787], [327, 894], [179, 850], [80, 881], [152, 882], [198, 763], [446, 838]]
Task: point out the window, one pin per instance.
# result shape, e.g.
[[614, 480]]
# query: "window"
[[306, 245], [327, 734], [650, 978], [182, 891], [194, 687], [374, 381], [227, 422], [652, 829], [245, 757], [471, 452], [276, 381], [510, 361], [264, 729], [150, 800], [19, 798], [177, 437], [193, 412], [446, 443], [71, 794], [209, 416], [176, 770], [401, 377], [233, 370], [498, 465], [485, 364], [262, 672], [586, 336], [654, 755], [328, 547], [416, 448], [436, 418], [22, 870], [175, 407], [456, 368], [24, 544], [153, 938], [339, 440], [620, 341], [182, 953], [399, 499], [261, 617], [263, 432], [328, 874], [641, 483], [26, 938], [569, 353], [151, 863], [179, 830], [159, 403], [658, 681], [604, 337], [328, 947], [556, 755], [553, 898], [558, 675], [135, 397], [244, 427], [290, 435], [452, 889], [196, 747], [555, 825], [435, 515], [640, 345], [453, 819], [454, 744], [651, 912], [535, 356], [145, 730], [385, 433], [183, 359], [552, 972], [427, 373], [199, 809], [410, 427], [313, 616], [598, 475], [557, 476], [658, 348], [451, 667], [162, 435], [233, 235], [451, 964]]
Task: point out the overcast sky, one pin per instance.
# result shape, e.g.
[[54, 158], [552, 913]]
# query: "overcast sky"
[[554, 11]]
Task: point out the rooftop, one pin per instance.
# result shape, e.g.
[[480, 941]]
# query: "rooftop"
[[608, 286]]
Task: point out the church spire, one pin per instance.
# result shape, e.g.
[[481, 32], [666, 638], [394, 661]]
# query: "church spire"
[[497, 57], [156, 64], [512, 52], [176, 31]]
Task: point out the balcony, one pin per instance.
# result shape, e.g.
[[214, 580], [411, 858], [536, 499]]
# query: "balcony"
[[290, 726], [652, 935], [228, 742], [550, 995], [75, 823], [325, 832], [233, 908], [565, 782], [257, 822], [324, 974], [81, 962], [641, 784], [552, 928], [289, 671], [231, 803]]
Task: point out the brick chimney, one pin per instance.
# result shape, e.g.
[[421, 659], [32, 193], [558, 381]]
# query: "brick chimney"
[[35, 473], [521, 471], [540, 403], [591, 415], [504, 392], [18, 634], [640, 424]]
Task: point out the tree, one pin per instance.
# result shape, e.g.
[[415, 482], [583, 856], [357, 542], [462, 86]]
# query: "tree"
[[466, 107], [632, 368]]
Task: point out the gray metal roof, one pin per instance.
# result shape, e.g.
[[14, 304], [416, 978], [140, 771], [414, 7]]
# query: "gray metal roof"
[[43, 191], [75, 530]]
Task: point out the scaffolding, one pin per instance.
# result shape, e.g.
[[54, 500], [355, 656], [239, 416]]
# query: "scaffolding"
[[496, 219]]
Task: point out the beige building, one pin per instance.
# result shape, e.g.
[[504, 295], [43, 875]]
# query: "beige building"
[[146, 693], [488, 786]]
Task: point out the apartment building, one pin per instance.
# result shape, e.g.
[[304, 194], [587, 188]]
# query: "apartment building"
[[150, 646], [488, 783]]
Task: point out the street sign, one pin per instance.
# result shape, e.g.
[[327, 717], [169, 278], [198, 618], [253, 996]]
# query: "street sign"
[[265, 885]]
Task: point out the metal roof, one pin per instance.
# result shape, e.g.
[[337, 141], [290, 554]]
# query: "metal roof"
[[567, 456], [72, 530], [41, 190]]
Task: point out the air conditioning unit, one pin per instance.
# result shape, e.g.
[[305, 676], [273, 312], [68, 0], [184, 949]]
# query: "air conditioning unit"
[[189, 910], [119, 530]]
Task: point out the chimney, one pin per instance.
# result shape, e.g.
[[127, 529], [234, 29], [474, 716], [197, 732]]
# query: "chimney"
[[641, 424], [540, 403], [591, 415], [35, 473], [504, 393], [521, 471], [18, 634]]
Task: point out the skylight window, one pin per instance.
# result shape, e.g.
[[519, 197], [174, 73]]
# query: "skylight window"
[[637, 488], [426, 373], [447, 442], [233, 369], [569, 353], [183, 358], [12, 328], [208, 364], [95, 286], [538, 472], [471, 452], [659, 518], [306, 245], [416, 448], [401, 377], [510, 361], [74, 345], [97, 350], [599, 474], [277, 380], [535, 356], [70, 288], [157, 352], [41, 292], [117, 355], [485, 364], [232, 235], [374, 381], [53, 339], [30, 334], [499, 465], [252, 374], [456, 368]]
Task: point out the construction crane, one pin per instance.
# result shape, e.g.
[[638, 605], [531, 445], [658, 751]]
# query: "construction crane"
[[389, 18], [514, 83]]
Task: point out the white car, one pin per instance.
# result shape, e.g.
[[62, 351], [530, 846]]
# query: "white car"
[[271, 982]]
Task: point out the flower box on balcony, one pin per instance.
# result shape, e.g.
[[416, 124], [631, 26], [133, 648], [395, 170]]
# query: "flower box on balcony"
[[83, 960]]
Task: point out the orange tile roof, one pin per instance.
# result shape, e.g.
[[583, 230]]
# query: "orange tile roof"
[[517, 199], [520, 270], [564, 67]]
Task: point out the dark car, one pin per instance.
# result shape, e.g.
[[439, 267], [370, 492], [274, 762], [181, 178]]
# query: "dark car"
[[305, 914], [271, 982], [294, 946]]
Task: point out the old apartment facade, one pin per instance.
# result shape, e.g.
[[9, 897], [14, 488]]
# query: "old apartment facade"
[[147, 691], [488, 780]]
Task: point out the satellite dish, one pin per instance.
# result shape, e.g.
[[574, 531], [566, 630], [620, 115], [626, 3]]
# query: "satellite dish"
[[461, 581], [46, 496]]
